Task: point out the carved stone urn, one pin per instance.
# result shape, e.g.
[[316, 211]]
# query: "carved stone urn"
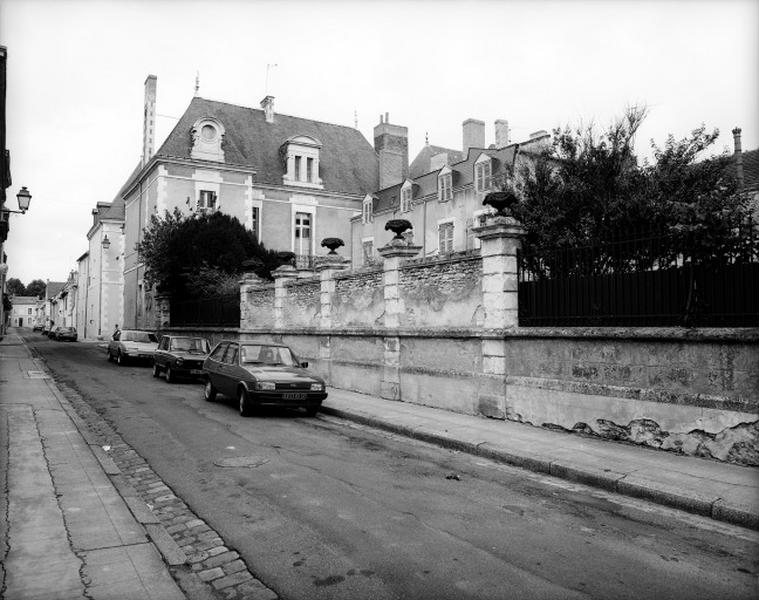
[[502, 202], [398, 226], [332, 244]]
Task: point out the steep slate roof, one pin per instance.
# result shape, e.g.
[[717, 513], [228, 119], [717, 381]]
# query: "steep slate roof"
[[53, 287], [421, 164], [463, 173], [751, 169], [21, 300], [348, 162]]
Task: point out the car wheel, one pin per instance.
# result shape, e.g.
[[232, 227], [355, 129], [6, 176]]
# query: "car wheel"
[[209, 392], [244, 403], [170, 375], [156, 370], [312, 410], [120, 360]]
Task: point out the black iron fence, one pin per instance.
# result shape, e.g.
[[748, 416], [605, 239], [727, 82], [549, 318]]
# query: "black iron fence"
[[650, 279], [218, 310]]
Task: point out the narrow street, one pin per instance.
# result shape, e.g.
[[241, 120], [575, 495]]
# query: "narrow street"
[[322, 508]]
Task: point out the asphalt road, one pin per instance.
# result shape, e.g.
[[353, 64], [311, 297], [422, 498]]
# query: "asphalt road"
[[328, 509]]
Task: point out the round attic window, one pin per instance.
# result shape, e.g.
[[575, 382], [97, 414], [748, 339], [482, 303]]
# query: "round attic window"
[[208, 132]]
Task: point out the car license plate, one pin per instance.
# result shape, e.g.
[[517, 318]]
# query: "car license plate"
[[196, 372], [293, 396]]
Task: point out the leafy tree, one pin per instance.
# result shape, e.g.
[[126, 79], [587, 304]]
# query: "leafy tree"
[[589, 187], [199, 255], [15, 287], [36, 288]]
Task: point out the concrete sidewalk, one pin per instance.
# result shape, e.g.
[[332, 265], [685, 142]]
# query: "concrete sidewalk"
[[707, 487], [68, 532]]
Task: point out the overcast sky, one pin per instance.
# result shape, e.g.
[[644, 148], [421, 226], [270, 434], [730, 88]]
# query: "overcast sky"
[[76, 71]]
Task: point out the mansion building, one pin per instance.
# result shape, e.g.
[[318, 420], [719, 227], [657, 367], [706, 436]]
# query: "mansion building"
[[292, 181]]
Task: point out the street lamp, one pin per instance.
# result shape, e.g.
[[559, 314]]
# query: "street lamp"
[[106, 243], [24, 198]]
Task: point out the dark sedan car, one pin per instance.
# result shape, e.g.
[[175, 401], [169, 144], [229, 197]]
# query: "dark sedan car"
[[180, 356], [262, 374], [64, 333]]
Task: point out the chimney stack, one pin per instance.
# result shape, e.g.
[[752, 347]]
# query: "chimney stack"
[[268, 105], [474, 134], [502, 133], [391, 146], [148, 126], [738, 154]]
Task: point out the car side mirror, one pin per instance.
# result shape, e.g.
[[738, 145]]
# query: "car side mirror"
[[304, 364]]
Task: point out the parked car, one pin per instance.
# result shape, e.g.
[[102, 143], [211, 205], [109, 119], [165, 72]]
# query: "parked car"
[[261, 374], [64, 333], [46, 330], [132, 344], [180, 356], [38, 327]]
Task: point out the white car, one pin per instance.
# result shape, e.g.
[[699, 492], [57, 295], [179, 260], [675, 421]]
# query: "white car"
[[132, 344]]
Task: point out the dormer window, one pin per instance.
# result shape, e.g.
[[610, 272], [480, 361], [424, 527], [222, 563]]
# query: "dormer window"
[[367, 212], [483, 173], [301, 154], [207, 135], [445, 185], [407, 193]]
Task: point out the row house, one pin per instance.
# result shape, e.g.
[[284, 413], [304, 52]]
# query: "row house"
[[23, 311], [441, 192]]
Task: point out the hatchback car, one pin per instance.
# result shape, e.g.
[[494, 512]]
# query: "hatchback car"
[[261, 374], [180, 356], [64, 333], [132, 344]]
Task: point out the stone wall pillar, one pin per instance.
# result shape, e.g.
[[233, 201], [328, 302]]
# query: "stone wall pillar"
[[392, 254], [162, 311], [501, 238], [249, 282], [327, 266], [282, 275]]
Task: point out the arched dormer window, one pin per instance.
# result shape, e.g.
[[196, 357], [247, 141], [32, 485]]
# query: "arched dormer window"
[[367, 209], [407, 196], [301, 154], [483, 173], [207, 135]]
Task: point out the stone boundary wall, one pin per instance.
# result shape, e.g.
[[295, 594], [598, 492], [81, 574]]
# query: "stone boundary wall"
[[444, 333]]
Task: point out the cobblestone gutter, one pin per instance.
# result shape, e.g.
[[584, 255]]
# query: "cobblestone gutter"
[[199, 560]]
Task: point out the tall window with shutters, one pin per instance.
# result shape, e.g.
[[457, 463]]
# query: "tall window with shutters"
[[445, 237]]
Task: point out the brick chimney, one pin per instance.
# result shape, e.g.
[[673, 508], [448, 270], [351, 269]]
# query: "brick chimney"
[[148, 127], [474, 134], [267, 104], [738, 154], [502, 133], [391, 146]]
